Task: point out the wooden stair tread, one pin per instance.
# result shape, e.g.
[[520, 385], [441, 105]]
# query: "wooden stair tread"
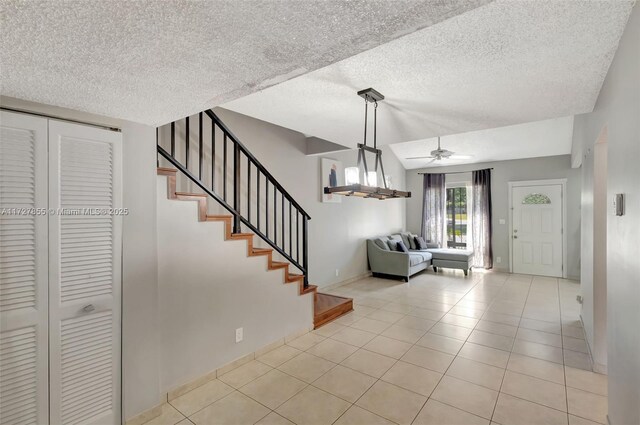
[[328, 307], [170, 173], [199, 195], [219, 217], [308, 289], [163, 171]]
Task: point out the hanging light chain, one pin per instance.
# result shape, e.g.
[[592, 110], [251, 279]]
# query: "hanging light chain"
[[375, 124], [366, 108]]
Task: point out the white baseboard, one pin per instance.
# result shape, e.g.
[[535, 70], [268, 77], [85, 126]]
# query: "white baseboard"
[[185, 388], [146, 416], [595, 367], [600, 368], [345, 282]]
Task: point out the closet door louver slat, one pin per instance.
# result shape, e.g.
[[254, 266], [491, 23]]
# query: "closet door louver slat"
[[84, 173], [23, 270]]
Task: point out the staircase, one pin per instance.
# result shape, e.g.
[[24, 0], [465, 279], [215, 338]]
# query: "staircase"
[[202, 155]]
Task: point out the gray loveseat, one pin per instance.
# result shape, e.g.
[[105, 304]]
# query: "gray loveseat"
[[382, 260]]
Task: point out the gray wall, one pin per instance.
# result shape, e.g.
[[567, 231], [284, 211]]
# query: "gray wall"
[[553, 167], [337, 232], [618, 109], [140, 339], [208, 288]]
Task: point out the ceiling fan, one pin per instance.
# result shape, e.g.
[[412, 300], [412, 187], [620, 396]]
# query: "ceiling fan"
[[440, 154]]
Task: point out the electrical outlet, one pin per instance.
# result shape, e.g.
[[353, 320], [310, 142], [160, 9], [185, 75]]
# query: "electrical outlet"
[[239, 335], [337, 272], [498, 259]]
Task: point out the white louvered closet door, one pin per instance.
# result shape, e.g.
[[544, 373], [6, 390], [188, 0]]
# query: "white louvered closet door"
[[84, 274], [24, 384]]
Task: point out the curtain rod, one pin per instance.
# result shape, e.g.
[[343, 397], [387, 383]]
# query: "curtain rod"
[[460, 172]]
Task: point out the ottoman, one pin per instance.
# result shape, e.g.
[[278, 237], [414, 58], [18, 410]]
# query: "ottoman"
[[451, 259]]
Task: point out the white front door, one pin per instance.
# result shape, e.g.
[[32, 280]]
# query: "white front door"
[[537, 218], [85, 191]]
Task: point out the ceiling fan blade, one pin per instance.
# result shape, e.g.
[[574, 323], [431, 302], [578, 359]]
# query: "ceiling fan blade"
[[420, 157]]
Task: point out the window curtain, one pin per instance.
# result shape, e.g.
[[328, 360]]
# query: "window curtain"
[[481, 221], [433, 208]]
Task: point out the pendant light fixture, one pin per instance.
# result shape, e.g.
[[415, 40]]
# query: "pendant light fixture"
[[370, 188]]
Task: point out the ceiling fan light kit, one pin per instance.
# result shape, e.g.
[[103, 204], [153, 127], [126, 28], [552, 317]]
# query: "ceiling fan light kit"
[[440, 154], [370, 188]]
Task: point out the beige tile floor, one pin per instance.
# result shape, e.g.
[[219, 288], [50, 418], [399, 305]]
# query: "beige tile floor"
[[443, 349]]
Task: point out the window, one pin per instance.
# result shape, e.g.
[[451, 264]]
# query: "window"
[[457, 217], [536, 198]]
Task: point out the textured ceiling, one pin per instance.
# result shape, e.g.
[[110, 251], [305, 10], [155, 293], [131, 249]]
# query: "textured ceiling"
[[541, 138], [504, 63], [156, 61]]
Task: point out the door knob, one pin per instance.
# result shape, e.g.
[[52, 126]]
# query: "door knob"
[[88, 308], [515, 230], [515, 237]]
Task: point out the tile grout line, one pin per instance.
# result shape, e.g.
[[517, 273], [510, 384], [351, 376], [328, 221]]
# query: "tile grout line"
[[564, 367], [392, 297], [398, 360], [456, 356], [495, 406]]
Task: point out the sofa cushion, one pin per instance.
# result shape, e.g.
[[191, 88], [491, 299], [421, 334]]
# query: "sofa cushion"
[[395, 237], [408, 240], [393, 244], [381, 243], [426, 255], [402, 247], [451, 254], [420, 243], [415, 259]]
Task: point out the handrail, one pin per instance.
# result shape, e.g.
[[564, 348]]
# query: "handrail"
[[257, 163], [228, 207], [231, 175]]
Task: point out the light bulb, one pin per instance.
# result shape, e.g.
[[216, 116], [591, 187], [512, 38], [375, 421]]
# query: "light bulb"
[[351, 175], [373, 178]]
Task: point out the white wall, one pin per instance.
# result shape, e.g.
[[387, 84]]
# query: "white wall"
[[337, 232], [140, 316], [586, 246], [209, 287], [553, 167], [140, 339], [618, 109]]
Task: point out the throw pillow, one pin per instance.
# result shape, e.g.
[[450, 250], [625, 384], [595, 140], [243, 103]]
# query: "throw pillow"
[[412, 240], [393, 244], [406, 236], [381, 243], [402, 247], [420, 243]]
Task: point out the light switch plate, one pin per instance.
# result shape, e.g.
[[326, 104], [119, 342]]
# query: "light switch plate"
[[502, 221], [618, 204]]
